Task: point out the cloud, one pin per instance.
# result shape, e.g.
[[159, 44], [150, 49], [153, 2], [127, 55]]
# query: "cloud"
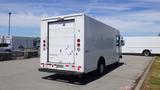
[[156, 1], [128, 16], [20, 20], [144, 21], [29, 14], [145, 15]]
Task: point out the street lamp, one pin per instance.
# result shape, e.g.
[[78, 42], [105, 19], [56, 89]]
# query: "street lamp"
[[9, 23]]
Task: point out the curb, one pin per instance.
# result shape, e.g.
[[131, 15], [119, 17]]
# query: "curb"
[[142, 78]]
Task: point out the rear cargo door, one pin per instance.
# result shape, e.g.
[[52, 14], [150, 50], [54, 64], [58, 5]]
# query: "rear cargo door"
[[61, 41]]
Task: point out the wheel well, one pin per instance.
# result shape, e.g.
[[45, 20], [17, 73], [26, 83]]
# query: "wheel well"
[[20, 46], [146, 50], [101, 60]]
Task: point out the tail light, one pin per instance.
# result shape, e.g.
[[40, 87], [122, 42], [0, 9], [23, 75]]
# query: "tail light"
[[44, 41], [79, 67], [78, 44], [67, 65], [78, 40], [44, 44]]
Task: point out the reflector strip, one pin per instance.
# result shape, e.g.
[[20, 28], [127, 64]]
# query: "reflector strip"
[[42, 64], [79, 67], [67, 65]]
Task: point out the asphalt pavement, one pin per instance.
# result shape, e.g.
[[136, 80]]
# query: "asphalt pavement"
[[24, 75]]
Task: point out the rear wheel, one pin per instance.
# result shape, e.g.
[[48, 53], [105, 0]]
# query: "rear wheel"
[[101, 68], [21, 47], [146, 53]]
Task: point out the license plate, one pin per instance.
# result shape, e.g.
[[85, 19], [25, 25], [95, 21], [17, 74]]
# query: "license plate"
[[59, 66]]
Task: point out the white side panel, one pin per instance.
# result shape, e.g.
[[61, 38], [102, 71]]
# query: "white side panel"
[[100, 40]]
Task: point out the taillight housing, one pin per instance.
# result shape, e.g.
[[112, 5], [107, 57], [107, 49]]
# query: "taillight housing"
[[44, 41], [78, 40], [78, 44], [44, 44]]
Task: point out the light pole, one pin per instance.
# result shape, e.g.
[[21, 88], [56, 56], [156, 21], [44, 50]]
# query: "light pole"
[[9, 23]]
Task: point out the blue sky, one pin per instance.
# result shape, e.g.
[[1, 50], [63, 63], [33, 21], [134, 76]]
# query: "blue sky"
[[131, 17]]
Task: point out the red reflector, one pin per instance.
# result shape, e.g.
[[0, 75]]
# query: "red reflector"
[[67, 65], [78, 40], [79, 67], [78, 45], [42, 64]]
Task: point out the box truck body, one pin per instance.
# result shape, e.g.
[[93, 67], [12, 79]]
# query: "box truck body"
[[17, 42], [145, 45], [76, 44]]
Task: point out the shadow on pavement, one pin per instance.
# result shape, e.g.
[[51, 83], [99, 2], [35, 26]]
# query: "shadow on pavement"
[[82, 80]]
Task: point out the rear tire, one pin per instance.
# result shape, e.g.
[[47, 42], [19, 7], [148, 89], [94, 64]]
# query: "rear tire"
[[21, 48], [146, 53], [101, 68]]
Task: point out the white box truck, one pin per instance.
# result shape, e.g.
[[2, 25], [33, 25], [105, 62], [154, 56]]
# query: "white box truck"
[[10, 43], [77, 44], [145, 45]]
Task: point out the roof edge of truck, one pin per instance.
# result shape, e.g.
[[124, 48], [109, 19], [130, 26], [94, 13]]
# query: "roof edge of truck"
[[69, 15], [75, 14]]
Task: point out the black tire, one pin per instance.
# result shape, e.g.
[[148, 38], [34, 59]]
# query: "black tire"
[[146, 53], [101, 68], [21, 48], [8, 50]]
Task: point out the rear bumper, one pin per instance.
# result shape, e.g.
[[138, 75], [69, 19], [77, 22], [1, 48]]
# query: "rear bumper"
[[60, 71]]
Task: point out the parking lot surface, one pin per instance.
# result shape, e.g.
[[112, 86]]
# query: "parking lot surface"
[[24, 75]]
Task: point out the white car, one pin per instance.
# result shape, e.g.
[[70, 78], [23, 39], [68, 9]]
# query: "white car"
[[5, 47]]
